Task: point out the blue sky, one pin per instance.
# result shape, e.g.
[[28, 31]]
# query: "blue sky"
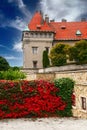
[[16, 14]]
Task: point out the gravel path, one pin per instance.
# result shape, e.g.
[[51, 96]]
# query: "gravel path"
[[44, 124]]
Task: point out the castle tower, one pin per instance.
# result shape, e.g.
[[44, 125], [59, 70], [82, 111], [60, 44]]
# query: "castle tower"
[[36, 38]]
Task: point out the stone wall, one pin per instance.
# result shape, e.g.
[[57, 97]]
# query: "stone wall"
[[80, 89], [80, 76]]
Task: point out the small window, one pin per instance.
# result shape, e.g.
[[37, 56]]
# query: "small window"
[[83, 103], [78, 33], [50, 35], [63, 27], [38, 27], [34, 50], [47, 49], [45, 34], [31, 34], [26, 33], [34, 64]]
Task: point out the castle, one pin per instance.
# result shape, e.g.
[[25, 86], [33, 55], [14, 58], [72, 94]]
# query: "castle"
[[42, 33]]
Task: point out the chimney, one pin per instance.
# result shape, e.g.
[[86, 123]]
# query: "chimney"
[[46, 18], [83, 19], [42, 20], [64, 20], [52, 20]]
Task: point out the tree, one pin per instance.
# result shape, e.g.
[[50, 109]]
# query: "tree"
[[4, 65], [45, 60], [79, 52], [58, 54]]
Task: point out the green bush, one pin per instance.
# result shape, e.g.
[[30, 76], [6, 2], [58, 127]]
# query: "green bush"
[[58, 60], [12, 75], [66, 87], [78, 52], [58, 54]]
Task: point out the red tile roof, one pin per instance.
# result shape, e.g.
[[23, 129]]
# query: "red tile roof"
[[62, 30], [38, 24]]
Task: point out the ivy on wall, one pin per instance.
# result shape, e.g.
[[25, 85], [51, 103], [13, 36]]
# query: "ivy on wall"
[[66, 86]]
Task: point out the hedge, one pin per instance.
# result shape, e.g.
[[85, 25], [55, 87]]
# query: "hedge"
[[66, 86], [30, 99]]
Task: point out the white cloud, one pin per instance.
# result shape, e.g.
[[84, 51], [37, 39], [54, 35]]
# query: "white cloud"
[[17, 46], [18, 23], [58, 9], [23, 9], [11, 57], [20, 3]]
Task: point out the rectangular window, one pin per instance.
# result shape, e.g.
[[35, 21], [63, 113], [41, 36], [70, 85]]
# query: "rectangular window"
[[34, 64], [83, 103], [34, 50], [47, 49]]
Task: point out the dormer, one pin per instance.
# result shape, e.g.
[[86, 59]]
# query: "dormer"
[[38, 26], [63, 27], [78, 33]]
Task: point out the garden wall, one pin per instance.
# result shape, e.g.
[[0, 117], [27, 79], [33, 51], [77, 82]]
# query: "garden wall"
[[80, 108], [76, 72]]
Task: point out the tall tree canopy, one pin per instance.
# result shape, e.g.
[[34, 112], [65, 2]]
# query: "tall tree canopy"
[[4, 65], [78, 52], [58, 54], [45, 60]]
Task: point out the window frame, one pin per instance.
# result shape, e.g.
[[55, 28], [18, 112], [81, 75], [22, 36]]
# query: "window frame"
[[83, 103], [34, 50], [35, 64], [47, 49]]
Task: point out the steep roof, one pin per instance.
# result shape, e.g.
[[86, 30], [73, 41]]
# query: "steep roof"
[[70, 30], [36, 20], [37, 23], [63, 30]]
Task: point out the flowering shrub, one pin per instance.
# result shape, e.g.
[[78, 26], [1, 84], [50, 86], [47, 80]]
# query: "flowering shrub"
[[29, 99]]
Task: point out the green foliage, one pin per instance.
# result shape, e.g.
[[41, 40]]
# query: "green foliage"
[[45, 61], [15, 68], [4, 65], [58, 54], [66, 87], [12, 75], [79, 52], [58, 60]]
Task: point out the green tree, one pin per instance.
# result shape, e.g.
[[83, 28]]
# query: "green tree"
[[58, 54], [4, 65], [45, 60], [79, 52], [15, 68]]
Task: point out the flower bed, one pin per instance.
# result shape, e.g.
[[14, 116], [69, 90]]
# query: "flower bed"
[[29, 99]]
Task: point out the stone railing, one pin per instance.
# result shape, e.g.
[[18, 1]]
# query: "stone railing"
[[63, 68]]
